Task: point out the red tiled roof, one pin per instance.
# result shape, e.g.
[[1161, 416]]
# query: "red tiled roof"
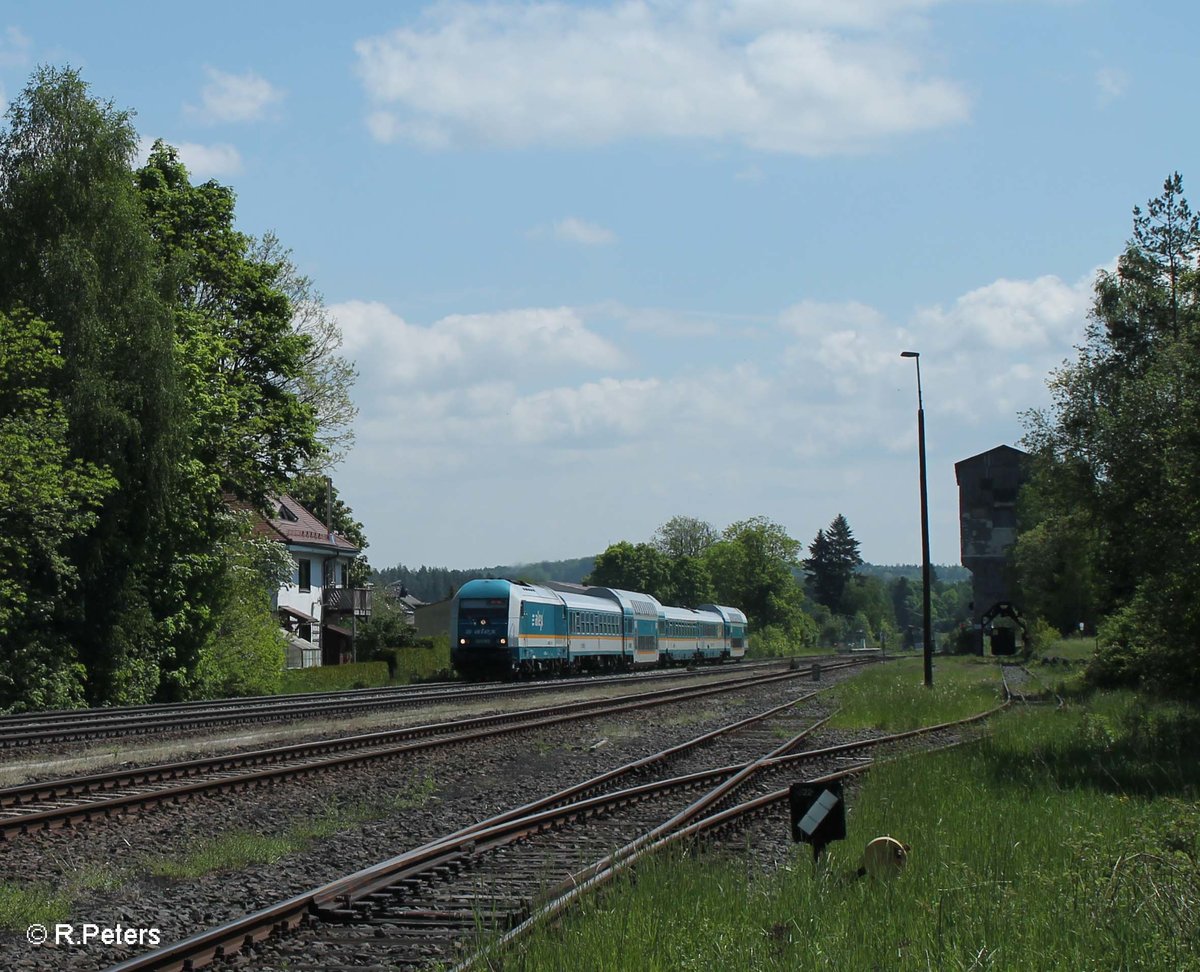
[[305, 528], [292, 523]]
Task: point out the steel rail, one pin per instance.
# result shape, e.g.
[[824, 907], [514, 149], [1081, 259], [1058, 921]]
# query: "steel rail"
[[99, 724], [335, 900], [200, 949], [278, 762], [685, 825], [449, 685]]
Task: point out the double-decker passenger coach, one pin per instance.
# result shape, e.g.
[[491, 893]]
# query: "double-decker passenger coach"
[[502, 627]]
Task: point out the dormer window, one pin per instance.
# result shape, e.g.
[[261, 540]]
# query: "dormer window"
[[286, 514]]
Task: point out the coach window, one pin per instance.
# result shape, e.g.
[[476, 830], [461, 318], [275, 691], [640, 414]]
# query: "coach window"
[[305, 574]]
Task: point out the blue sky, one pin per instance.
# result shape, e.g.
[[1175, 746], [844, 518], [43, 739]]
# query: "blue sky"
[[600, 264]]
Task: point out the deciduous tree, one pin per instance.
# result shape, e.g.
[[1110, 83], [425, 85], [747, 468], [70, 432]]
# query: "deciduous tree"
[[684, 536], [75, 251]]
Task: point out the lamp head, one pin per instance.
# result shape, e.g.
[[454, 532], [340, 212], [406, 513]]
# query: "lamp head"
[[910, 354]]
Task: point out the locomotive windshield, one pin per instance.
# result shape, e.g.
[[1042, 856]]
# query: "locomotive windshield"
[[482, 613]]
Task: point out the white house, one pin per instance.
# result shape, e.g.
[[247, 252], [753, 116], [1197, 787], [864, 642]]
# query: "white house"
[[317, 608]]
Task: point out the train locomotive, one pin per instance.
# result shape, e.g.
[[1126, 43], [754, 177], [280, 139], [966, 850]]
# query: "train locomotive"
[[502, 628]]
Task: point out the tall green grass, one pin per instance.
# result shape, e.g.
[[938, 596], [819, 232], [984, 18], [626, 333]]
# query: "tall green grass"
[[1063, 840], [1071, 649], [893, 697]]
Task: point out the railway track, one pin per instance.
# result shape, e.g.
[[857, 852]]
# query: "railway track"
[[76, 800], [498, 878], [77, 725]]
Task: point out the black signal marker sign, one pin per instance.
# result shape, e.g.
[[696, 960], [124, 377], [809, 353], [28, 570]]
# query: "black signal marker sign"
[[818, 813]]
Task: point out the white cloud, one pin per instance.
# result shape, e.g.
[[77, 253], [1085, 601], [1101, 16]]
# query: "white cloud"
[[853, 14], [210, 161], [660, 321], [574, 230], [202, 161], [1011, 315], [1111, 84], [16, 49], [235, 97], [471, 346], [777, 77], [572, 408]]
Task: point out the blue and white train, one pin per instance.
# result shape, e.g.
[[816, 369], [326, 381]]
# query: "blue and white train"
[[502, 627]]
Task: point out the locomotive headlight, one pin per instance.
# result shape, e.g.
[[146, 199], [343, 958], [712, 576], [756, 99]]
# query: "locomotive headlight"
[[504, 641], [462, 641]]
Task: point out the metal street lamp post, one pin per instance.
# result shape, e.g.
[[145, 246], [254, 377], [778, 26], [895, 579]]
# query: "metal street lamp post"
[[925, 608]]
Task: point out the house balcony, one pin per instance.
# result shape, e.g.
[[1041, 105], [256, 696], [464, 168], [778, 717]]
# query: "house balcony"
[[354, 601]]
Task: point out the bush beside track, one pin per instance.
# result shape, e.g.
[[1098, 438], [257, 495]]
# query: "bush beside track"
[[333, 678]]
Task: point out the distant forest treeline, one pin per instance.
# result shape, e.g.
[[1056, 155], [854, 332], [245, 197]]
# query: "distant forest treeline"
[[437, 583]]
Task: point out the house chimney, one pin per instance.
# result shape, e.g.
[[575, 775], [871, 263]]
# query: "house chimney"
[[329, 507]]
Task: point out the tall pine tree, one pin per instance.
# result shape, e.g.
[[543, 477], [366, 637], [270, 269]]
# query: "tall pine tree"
[[833, 559]]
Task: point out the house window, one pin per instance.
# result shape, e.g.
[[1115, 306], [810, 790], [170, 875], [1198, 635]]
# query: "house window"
[[305, 574]]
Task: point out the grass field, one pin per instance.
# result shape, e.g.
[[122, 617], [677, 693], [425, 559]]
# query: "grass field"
[[1064, 839], [892, 697], [1070, 649]]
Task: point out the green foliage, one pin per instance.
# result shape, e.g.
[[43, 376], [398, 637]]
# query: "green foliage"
[[892, 697], [752, 568], [27, 904], [333, 678], [432, 584], [684, 536], [776, 642], [311, 492], [244, 651], [167, 372], [833, 559], [234, 328], [49, 500], [1043, 635], [75, 251], [1117, 458], [1054, 559], [388, 636], [426, 659], [325, 378], [634, 567], [385, 629]]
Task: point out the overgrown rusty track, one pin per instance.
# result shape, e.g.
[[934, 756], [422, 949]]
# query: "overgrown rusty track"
[[437, 902], [73, 801]]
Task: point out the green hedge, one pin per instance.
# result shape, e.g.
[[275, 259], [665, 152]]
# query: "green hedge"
[[428, 658], [331, 678]]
